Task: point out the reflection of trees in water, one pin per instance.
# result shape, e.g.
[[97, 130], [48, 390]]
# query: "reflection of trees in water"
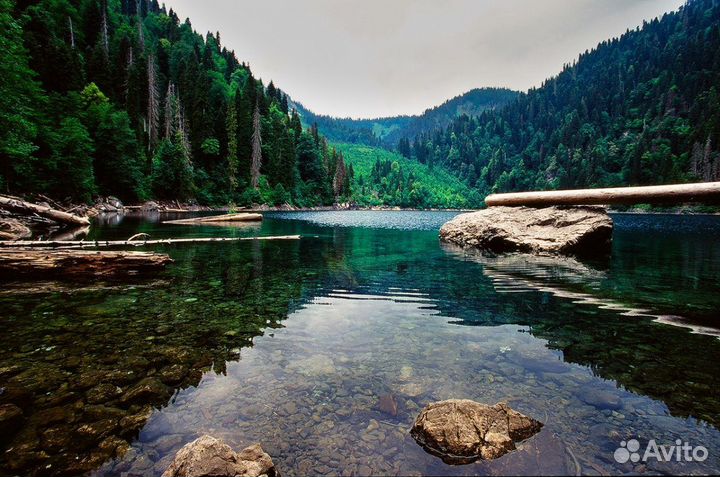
[[87, 366], [66, 355], [610, 337]]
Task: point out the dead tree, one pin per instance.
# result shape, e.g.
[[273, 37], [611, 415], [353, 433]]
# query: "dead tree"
[[153, 114], [256, 148]]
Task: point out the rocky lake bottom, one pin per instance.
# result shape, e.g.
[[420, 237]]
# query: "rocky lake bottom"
[[324, 350]]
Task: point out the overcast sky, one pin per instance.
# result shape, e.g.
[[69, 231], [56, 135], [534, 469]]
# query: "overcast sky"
[[371, 58]]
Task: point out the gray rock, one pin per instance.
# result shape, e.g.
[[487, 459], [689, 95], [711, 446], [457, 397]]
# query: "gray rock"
[[600, 399], [208, 456], [462, 431], [557, 230]]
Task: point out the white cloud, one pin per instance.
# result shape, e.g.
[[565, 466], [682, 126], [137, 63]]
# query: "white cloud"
[[369, 58]]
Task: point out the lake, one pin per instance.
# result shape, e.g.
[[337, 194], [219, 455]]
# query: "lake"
[[292, 344]]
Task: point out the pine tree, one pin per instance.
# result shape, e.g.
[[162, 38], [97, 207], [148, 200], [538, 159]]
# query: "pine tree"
[[153, 108], [340, 178], [19, 96], [232, 154], [256, 149]]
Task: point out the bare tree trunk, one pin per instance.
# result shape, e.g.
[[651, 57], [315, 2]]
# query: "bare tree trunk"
[[141, 33], [106, 39], [23, 207], [49, 245], [153, 115], [256, 148], [170, 111], [72, 33], [241, 217], [679, 193]]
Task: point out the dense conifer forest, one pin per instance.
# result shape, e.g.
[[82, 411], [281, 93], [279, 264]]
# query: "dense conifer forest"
[[641, 109], [386, 132], [123, 98]]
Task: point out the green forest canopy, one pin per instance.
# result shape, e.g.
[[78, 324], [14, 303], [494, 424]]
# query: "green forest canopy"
[[118, 97]]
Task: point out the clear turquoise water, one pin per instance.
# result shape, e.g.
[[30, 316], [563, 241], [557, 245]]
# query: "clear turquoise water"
[[291, 344]]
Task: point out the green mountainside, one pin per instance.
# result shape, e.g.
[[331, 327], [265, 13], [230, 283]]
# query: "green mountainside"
[[382, 177]]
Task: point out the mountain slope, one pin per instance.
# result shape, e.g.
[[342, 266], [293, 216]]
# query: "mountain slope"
[[640, 109], [388, 131], [122, 98], [382, 177]]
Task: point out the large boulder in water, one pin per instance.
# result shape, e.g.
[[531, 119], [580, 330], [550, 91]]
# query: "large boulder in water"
[[211, 457], [462, 431], [557, 230]]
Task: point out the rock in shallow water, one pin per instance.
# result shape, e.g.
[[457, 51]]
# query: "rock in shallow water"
[[562, 230], [208, 456], [461, 431]]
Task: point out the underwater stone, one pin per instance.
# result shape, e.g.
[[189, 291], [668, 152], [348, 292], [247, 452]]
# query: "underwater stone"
[[147, 390], [11, 418], [103, 393], [462, 431], [600, 399], [387, 404]]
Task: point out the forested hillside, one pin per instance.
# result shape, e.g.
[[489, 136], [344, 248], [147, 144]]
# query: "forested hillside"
[[640, 109], [387, 132], [381, 177], [121, 97]]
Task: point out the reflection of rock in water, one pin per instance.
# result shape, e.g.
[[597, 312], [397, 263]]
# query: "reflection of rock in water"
[[563, 277]]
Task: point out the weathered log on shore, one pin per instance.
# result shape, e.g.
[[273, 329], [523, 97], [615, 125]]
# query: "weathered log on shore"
[[243, 217], [79, 264], [20, 206], [708, 192], [554, 230], [50, 244]]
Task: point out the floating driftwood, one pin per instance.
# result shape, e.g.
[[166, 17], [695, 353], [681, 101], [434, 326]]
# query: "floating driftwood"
[[218, 219], [679, 193], [50, 244], [20, 206], [79, 264]]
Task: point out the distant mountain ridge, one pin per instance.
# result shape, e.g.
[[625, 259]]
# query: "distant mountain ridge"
[[388, 131]]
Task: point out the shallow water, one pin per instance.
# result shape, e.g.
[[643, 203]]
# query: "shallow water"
[[292, 344]]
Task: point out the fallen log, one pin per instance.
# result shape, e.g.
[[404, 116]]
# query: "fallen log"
[[243, 217], [20, 206], [79, 264], [678, 193], [50, 244]]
